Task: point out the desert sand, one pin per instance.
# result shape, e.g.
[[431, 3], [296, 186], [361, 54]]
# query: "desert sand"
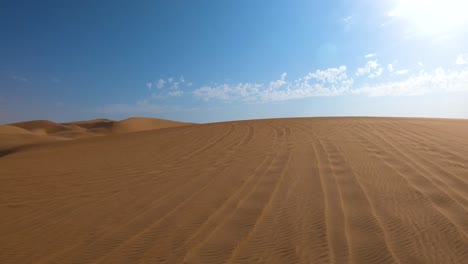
[[25, 134], [298, 190]]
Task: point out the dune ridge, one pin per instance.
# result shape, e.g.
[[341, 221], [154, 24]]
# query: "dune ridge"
[[22, 134], [297, 190], [96, 126], [135, 124]]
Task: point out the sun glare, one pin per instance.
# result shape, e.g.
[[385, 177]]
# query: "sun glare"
[[433, 16]]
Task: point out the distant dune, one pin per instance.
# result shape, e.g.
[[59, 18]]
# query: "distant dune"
[[13, 130], [96, 126], [298, 190], [36, 132], [13, 137], [141, 124]]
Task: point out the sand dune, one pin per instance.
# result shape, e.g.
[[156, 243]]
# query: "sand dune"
[[36, 132], [12, 138], [95, 126], [305, 190], [12, 130], [142, 124], [43, 127]]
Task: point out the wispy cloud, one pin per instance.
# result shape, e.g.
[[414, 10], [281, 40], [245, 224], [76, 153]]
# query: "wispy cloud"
[[332, 81], [176, 93], [392, 68], [242, 91], [370, 55], [335, 82], [376, 73], [160, 84], [371, 69], [174, 85], [401, 72], [462, 59], [347, 22], [327, 82], [20, 78], [170, 87], [421, 83], [347, 19], [278, 83]]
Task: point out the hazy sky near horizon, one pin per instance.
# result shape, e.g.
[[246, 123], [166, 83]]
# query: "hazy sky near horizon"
[[205, 61]]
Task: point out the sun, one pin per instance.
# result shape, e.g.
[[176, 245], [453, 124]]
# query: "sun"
[[432, 16]]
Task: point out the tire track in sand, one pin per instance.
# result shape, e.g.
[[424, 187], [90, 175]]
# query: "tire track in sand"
[[218, 245], [445, 203], [410, 223], [427, 147], [336, 230], [142, 221], [292, 226], [367, 237]]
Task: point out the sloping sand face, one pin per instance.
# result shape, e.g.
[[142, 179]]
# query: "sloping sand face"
[[313, 190], [31, 133], [87, 128]]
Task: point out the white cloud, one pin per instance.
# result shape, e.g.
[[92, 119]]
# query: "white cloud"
[[462, 59], [335, 82], [420, 64], [160, 84], [403, 88], [149, 85], [370, 55], [277, 84], [329, 82], [401, 72], [422, 83], [330, 75], [174, 86], [390, 67], [371, 69], [176, 93], [243, 91], [376, 73], [450, 80], [347, 21], [207, 93]]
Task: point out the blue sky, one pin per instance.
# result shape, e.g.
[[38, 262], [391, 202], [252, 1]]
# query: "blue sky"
[[206, 61]]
